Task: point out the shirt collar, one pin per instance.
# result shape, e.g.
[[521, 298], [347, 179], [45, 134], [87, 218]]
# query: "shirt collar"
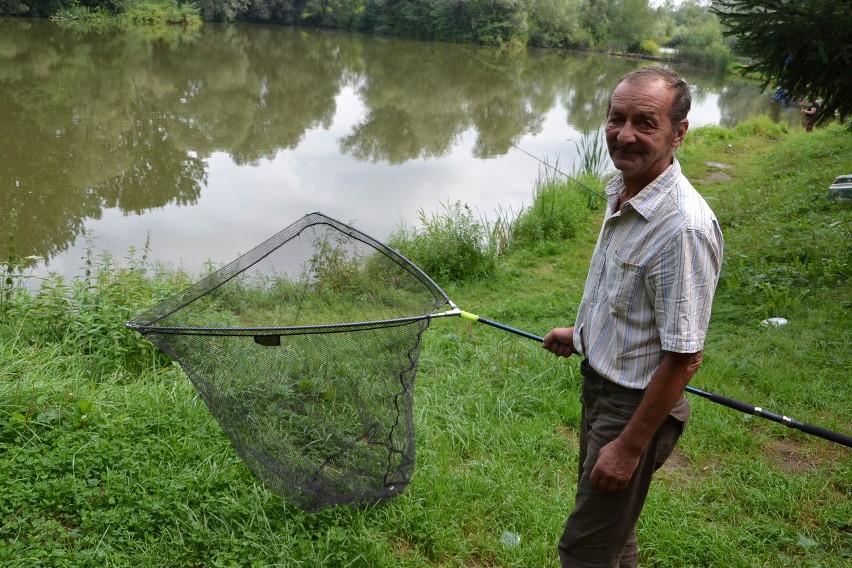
[[647, 201]]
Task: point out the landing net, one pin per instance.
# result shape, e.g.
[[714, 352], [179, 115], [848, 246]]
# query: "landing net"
[[305, 351]]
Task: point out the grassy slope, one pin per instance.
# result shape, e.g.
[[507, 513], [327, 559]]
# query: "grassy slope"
[[118, 467]]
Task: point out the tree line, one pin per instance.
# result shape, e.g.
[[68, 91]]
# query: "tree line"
[[800, 47], [623, 26]]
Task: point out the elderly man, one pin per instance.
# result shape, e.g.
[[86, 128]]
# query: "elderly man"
[[641, 324]]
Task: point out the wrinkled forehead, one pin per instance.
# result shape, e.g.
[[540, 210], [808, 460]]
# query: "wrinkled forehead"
[[652, 97]]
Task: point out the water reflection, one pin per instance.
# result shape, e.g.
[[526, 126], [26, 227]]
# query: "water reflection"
[[213, 142]]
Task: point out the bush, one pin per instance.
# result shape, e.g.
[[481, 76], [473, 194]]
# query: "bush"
[[649, 47], [95, 17], [762, 126], [159, 13]]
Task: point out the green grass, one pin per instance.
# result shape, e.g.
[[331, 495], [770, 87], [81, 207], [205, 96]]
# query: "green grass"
[[109, 458]]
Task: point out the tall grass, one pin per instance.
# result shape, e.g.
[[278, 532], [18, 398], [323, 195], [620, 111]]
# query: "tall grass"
[[562, 203], [453, 246], [594, 157], [450, 245], [558, 212]]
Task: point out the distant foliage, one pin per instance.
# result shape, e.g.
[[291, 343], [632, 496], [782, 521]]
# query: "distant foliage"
[[626, 26], [554, 23], [697, 35], [14, 7], [138, 13], [649, 47], [156, 12]]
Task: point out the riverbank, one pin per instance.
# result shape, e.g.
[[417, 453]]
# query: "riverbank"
[[108, 457], [693, 30]]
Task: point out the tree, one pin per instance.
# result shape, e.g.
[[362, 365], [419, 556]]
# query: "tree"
[[631, 21], [801, 46]]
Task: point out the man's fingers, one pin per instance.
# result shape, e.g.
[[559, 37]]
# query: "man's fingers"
[[604, 484], [559, 349], [560, 341], [607, 483]]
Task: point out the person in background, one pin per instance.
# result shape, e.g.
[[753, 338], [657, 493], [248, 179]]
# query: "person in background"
[[810, 114], [642, 321]]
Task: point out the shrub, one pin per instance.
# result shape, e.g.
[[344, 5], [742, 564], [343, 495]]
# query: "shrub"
[[159, 13], [649, 47]]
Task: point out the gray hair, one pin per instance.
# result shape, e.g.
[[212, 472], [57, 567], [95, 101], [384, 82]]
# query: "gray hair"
[[682, 98]]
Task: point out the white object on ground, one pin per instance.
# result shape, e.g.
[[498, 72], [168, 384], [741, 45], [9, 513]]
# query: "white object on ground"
[[510, 539]]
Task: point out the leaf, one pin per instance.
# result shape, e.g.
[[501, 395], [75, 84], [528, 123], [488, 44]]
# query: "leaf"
[[807, 543], [49, 415]]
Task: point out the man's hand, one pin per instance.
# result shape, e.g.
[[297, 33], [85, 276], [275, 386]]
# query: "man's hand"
[[614, 468], [560, 341], [617, 461]]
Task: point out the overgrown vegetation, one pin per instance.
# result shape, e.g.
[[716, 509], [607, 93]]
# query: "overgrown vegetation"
[[137, 13], [560, 208], [78, 317], [109, 458], [453, 246], [620, 26]]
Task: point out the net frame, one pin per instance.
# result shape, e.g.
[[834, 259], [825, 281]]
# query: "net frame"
[[372, 457]]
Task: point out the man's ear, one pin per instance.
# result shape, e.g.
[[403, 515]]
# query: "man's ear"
[[680, 133]]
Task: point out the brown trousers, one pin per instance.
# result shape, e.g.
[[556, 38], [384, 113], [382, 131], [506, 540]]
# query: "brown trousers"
[[601, 530]]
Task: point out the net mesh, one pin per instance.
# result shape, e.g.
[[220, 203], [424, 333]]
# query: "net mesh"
[[305, 351]]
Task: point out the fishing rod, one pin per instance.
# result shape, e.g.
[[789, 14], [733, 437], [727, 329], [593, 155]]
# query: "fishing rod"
[[811, 429], [557, 170]]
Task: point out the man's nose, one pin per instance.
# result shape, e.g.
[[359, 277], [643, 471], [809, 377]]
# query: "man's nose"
[[626, 133]]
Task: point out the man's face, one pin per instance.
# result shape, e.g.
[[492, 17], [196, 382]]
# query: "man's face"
[[639, 132]]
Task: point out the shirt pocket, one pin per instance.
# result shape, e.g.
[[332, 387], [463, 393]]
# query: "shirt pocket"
[[622, 281]]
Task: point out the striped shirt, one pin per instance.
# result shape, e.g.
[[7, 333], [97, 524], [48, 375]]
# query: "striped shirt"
[[651, 282]]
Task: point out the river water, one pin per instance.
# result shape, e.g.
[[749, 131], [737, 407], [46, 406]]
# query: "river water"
[[205, 145]]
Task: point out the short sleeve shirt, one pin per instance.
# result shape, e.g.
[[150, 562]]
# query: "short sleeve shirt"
[[652, 279]]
